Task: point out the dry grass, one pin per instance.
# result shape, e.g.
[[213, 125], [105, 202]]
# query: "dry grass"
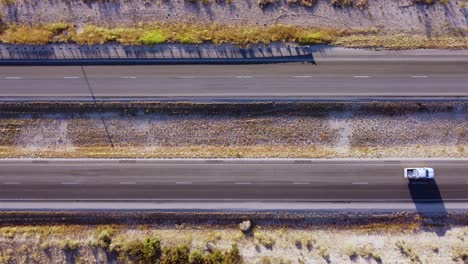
[[408, 251], [402, 42], [367, 252], [196, 33], [150, 34]]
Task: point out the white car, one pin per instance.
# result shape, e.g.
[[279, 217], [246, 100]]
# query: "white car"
[[419, 173]]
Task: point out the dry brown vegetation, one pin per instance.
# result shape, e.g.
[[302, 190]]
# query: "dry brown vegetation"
[[167, 33], [236, 131], [196, 33]]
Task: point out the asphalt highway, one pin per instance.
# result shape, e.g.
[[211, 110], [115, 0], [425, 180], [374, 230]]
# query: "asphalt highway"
[[230, 180], [328, 78]]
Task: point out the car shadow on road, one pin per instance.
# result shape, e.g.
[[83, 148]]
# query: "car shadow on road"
[[429, 205]]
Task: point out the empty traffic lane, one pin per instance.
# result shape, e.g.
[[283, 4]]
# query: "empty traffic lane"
[[327, 78], [243, 180]]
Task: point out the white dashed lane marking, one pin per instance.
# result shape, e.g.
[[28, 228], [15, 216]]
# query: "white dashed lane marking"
[[300, 183], [69, 183], [361, 76], [243, 183], [244, 77], [71, 77], [302, 76], [419, 76], [360, 183], [11, 183], [128, 77], [183, 182], [13, 78]]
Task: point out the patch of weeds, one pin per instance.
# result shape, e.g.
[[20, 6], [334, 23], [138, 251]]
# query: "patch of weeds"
[[408, 251], [8, 2], [104, 239], [26, 35], [264, 240], [366, 252], [46, 246], [153, 37], [146, 251], [8, 232], [69, 246], [93, 35], [318, 37], [460, 252], [56, 28], [178, 254], [214, 236], [324, 253], [233, 256], [341, 3], [196, 257], [265, 3]]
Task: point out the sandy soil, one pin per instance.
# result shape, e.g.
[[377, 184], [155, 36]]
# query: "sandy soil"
[[389, 16], [438, 130]]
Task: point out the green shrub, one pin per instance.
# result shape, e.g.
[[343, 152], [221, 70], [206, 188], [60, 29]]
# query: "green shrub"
[[195, 257], [152, 37], [215, 257], [175, 255], [318, 37], [56, 28], [104, 239], [146, 251]]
